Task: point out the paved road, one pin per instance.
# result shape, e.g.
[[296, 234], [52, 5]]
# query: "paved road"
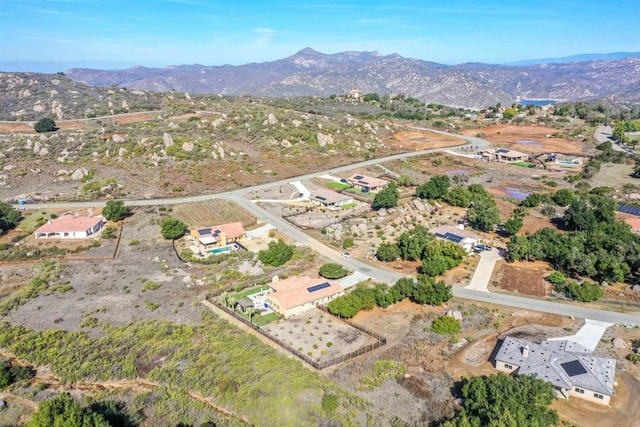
[[603, 133], [381, 275]]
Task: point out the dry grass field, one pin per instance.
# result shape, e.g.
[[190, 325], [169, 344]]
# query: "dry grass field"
[[213, 212]]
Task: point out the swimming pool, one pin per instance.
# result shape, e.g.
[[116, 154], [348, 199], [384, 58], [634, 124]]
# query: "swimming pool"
[[223, 249]]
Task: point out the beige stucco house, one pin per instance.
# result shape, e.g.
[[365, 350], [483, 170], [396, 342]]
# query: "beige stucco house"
[[572, 369], [296, 295]]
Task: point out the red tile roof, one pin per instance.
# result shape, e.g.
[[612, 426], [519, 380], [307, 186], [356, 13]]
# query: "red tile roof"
[[232, 230], [70, 223], [293, 292]]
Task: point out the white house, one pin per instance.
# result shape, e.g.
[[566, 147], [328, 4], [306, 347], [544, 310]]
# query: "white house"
[[70, 227], [458, 235], [572, 369], [330, 199]]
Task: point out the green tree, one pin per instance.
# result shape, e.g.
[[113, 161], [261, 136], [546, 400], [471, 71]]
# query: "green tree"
[[172, 228], [513, 224], [429, 291], [333, 271], [115, 210], [10, 373], [388, 252], [458, 196], [345, 306], [412, 243], [532, 200], [445, 325], [371, 97], [484, 215], [45, 125], [563, 197], [434, 265], [585, 292], [435, 188], [502, 400], [277, 254], [9, 217], [387, 197], [509, 113], [63, 411]]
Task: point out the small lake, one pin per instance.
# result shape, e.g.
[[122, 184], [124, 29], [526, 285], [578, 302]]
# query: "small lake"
[[537, 102]]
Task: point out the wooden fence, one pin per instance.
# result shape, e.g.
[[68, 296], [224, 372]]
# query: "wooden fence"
[[380, 340]]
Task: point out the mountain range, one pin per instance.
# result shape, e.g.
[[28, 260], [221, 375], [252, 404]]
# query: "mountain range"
[[308, 72]]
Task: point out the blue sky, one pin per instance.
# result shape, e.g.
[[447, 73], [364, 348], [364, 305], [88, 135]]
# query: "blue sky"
[[163, 32]]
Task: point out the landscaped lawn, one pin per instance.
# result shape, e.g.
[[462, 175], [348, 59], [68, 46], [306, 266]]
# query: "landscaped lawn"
[[266, 319], [250, 291], [338, 185]]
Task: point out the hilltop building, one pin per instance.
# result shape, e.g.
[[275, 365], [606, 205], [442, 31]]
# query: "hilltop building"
[[367, 183], [330, 199], [218, 235], [503, 155], [296, 295]]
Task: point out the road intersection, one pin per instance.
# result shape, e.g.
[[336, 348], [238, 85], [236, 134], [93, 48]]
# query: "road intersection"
[[376, 273]]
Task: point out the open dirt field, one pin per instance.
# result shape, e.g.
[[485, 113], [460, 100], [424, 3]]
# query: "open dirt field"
[[414, 140], [116, 291], [529, 139], [521, 277]]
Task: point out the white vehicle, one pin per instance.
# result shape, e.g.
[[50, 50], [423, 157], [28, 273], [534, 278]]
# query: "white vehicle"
[[346, 254]]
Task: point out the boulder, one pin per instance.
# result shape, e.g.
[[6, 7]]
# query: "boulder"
[[79, 174], [167, 139], [636, 288], [36, 147], [285, 143], [118, 139], [619, 343], [43, 151], [271, 119], [122, 151], [188, 147], [324, 140]]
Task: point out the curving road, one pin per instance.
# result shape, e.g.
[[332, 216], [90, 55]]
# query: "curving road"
[[378, 274]]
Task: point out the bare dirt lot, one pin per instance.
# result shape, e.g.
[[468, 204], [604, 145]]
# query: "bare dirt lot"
[[521, 277], [529, 139], [415, 140]]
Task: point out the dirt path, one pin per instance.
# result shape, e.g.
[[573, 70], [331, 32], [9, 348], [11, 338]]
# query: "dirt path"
[[137, 385]]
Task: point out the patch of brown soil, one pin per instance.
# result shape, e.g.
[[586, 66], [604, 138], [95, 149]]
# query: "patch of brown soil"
[[537, 137], [524, 278], [623, 412], [422, 140]]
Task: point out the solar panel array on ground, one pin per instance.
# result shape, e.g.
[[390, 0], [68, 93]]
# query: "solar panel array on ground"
[[629, 209], [451, 237], [318, 287]]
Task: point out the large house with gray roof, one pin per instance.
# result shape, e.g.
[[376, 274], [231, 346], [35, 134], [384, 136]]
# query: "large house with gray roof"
[[572, 369]]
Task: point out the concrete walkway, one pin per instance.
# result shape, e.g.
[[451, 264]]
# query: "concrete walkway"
[[353, 279], [484, 270], [589, 335]]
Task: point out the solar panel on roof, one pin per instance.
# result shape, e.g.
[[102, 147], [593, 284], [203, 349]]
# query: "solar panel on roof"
[[453, 237], [440, 235], [358, 177], [321, 198], [629, 209], [216, 233], [573, 368], [318, 287], [502, 150], [204, 231], [363, 182]]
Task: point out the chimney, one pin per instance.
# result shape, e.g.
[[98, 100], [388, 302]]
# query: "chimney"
[[525, 351]]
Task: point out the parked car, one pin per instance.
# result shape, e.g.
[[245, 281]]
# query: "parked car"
[[346, 254]]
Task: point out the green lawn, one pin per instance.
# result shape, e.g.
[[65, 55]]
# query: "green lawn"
[[30, 222], [260, 320], [251, 291], [338, 185], [348, 206]]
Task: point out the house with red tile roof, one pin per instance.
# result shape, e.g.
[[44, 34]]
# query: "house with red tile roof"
[[296, 295], [219, 235], [70, 227]]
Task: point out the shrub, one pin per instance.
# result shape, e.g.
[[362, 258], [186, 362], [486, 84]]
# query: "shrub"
[[388, 252], [277, 254], [333, 271], [634, 358], [109, 232], [329, 403], [445, 325], [172, 228], [9, 217], [115, 210], [586, 292], [45, 125]]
